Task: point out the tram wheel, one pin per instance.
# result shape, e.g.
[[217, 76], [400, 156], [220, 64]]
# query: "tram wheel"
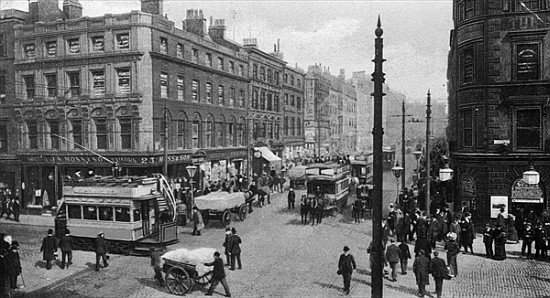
[[178, 281]]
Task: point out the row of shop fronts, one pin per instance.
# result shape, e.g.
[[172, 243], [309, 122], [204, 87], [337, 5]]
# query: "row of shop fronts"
[[38, 178]]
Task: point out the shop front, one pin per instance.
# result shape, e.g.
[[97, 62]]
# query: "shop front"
[[527, 197], [264, 160], [10, 173]]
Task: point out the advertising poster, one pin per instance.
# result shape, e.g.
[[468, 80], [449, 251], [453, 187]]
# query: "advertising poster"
[[498, 202]]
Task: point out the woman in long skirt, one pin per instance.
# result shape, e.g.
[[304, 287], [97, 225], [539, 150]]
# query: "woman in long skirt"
[[500, 243], [512, 233]]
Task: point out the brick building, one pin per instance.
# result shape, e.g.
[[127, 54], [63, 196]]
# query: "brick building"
[[498, 75], [317, 111], [293, 125]]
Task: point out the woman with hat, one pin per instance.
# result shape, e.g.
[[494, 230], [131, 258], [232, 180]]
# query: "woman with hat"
[[48, 248], [13, 264], [198, 224]]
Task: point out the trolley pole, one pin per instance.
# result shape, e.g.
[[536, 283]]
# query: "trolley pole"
[[377, 285], [165, 128], [428, 174], [403, 115]]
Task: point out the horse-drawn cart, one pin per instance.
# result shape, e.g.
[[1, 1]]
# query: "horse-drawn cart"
[[184, 269], [221, 205]]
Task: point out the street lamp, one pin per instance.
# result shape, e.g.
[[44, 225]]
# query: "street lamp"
[[191, 170], [397, 172], [417, 155], [445, 173], [531, 176]]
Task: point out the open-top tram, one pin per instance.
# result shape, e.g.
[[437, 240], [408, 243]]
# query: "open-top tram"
[[133, 212], [330, 183]]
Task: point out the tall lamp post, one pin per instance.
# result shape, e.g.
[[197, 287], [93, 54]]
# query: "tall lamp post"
[[428, 166], [397, 172], [192, 170]]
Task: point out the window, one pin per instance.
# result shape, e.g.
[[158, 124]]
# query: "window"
[[77, 132], [232, 67], [468, 65], [51, 85], [286, 78], [74, 211], [298, 126], [137, 215], [276, 131], [2, 49], [179, 51], [528, 128], [299, 103], [276, 103], [90, 212], [255, 99], [98, 44], [255, 71], [106, 213], [208, 92], [208, 134], [277, 78], [29, 50], [292, 102], [292, 80], [270, 102], [269, 76], [241, 70], [54, 134], [292, 126], [195, 57], [262, 101], [73, 45], [231, 96], [123, 41], [123, 84], [467, 128], [195, 133], [181, 134], [530, 5], [101, 133], [29, 86], [219, 134], [285, 125], [286, 99], [179, 85], [195, 90], [2, 89], [298, 83], [220, 64], [240, 133], [125, 133], [122, 214], [51, 48], [263, 133], [98, 87], [527, 62], [3, 137], [221, 95], [255, 129], [164, 85], [32, 129], [74, 84], [270, 131], [163, 46], [241, 98], [262, 73], [208, 58]]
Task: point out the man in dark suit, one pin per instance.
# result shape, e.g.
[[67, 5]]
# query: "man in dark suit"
[[100, 250], [218, 275], [48, 248], [346, 265], [235, 249], [439, 272], [226, 245], [421, 269], [66, 245], [393, 255]]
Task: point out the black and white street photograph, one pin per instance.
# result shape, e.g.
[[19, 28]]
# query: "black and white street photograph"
[[274, 148]]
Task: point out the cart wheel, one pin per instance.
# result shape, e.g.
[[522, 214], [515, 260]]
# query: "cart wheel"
[[205, 217], [205, 279], [178, 281], [242, 212], [226, 218]]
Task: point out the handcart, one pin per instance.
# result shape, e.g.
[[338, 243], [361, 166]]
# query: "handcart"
[[182, 277]]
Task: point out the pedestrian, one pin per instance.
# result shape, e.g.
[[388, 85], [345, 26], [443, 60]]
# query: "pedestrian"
[[304, 209], [319, 207], [346, 265], [218, 276], [281, 181], [393, 256], [392, 217], [226, 245], [499, 237], [467, 233], [528, 237], [235, 249], [439, 272], [101, 250], [198, 223], [511, 232], [16, 208], [452, 251], [312, 206], [4, 250], [423, 244], [357, 207], [291, 198], [540, 241], [66, 245], [5, 209], [421, 269], [501, 219], [404, 256], [157, 263], [48, 249], [13, 264], [456, 228], [488, 240]]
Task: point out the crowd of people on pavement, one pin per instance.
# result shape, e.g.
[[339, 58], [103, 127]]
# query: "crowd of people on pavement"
[[10, 265], [10, 206]]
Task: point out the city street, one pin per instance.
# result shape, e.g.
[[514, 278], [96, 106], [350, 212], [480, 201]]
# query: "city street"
[[283, 258]]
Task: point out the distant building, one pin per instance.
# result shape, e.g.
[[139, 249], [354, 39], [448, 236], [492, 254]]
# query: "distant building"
[[317, 112], [293, 121], [498, 105]]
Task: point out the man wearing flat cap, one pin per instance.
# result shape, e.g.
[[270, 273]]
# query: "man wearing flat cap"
[[346, 265], [48, 248], [100, 250]]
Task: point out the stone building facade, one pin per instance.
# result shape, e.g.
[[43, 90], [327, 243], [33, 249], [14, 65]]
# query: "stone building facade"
[[293, 121], [498, 75]]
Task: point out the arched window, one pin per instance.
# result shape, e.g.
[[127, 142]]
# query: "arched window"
[[230, 128], [181, 131], [240, 132], [208, 132], [196, 132], [220, 134]]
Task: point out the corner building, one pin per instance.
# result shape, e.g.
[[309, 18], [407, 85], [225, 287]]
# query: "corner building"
[[499, 121]]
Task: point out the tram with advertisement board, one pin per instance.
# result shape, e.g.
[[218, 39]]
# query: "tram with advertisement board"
[[361, 173], [134, 212], [330, 182]]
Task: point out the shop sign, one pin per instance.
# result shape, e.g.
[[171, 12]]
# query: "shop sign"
[[526, 193], [123, 160]]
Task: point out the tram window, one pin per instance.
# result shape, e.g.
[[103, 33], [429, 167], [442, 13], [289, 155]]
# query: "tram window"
[[137, 215], [75, 211], [90, 212], [122, 214], [106, 213]]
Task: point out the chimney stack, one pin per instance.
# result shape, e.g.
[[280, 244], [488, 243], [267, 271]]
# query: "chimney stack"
[[217, 29], [342, 75], [72, 9], [152, 7], [195, 22], [44, 11]]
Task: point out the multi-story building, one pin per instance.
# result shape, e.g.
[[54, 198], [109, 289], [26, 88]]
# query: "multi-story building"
[[293, 105], [317, 111], [364, 88], [90, 92], [498, 104]]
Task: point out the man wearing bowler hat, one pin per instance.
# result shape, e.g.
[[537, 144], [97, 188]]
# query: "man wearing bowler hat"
[[48, 248], [346, 265], [100, 250]]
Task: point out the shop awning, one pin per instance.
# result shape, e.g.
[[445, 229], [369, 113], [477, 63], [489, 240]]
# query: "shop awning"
[[267, 154]]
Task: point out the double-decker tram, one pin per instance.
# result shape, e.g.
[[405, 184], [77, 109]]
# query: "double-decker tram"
[[329, 181], [134, 212]]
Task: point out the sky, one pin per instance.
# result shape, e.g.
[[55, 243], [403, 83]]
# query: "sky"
[[335, 34]]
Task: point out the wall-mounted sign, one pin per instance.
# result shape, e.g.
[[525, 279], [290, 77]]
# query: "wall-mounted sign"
[[498, 202], [526, 193]]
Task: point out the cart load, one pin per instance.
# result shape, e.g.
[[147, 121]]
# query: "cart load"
[[196, 257], [220, 200]]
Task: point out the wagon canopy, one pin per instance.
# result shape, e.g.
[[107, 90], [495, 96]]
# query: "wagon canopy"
[[220, 200], [297, 173]]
